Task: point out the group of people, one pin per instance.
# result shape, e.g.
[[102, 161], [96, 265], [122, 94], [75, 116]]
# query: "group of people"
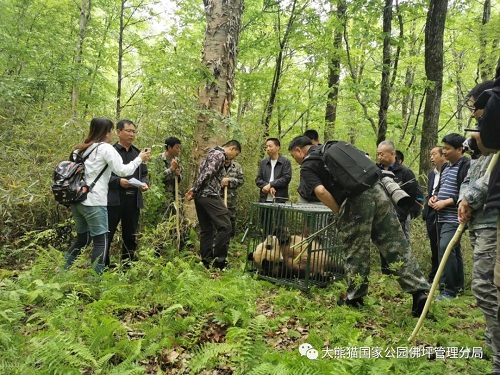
[[458, 191]]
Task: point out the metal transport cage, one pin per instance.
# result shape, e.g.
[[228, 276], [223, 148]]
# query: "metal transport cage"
[[294, 244]]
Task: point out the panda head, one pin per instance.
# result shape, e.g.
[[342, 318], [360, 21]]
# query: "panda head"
[[269, 250]]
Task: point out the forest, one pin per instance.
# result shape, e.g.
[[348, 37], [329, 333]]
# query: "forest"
[[207, 72]]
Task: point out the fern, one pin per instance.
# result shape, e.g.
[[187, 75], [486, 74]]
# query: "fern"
[[249, 343], [206, 354], [59, 353], [270, 369]]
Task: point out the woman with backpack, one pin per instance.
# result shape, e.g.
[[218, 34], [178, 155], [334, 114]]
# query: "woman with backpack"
[[90, 215]]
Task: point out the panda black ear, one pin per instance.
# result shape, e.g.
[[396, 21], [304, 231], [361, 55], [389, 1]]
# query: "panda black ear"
[[250, 256]]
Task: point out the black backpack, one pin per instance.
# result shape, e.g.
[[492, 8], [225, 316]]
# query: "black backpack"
[[69, 185], [349, 167]]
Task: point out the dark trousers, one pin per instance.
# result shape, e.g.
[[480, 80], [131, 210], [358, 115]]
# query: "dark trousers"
[[232, 216], [452, 280], [99, 252], [215, 224], [128, 213], [432, 232]]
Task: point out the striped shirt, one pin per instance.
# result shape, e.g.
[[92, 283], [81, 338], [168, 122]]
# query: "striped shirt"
[[448, 189]]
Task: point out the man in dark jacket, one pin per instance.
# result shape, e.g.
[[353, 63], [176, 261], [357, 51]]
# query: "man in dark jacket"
[[428, 214], [125, 199], [213, 215], [444, 201], [274, 175], [404, 176]]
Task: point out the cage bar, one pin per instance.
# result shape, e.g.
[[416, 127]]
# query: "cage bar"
[[294, 245]]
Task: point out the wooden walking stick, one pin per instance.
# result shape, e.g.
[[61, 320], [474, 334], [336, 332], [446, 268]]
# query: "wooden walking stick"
[[446, 254], [177, 213], [225, 195]]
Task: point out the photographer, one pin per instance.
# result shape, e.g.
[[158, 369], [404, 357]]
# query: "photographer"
[[368, 215]]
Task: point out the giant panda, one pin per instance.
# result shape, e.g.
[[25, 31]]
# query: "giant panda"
[[267, 257]]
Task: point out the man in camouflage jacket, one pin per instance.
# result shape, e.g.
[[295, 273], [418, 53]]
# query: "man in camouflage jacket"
[[367, 216], [213, 215]]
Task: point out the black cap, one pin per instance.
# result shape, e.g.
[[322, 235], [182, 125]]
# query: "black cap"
[[489, 123]]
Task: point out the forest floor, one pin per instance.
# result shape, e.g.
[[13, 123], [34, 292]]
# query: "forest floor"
[[169, 315]]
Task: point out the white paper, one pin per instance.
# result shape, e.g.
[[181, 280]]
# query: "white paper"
[[135, 182]]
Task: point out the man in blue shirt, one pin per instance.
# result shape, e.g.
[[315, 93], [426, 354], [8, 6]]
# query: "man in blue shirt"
[[444, 202]]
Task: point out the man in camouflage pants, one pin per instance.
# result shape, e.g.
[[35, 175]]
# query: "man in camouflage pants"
[[483, 236], [369, 215], [233, 179]]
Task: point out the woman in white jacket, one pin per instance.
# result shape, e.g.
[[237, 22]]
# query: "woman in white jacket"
[[91, 216]]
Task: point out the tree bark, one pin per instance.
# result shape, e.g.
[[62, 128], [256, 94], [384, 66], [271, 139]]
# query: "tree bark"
[[485, 70], [82, 28], [220, 49], [385, 87], [119, 68], [334, 73], [434, 31]]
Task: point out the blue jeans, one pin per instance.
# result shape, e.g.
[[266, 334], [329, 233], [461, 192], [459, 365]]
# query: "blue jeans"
[[93, 219], [452, 280]]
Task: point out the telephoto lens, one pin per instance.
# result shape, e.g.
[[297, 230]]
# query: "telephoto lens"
[[398, 196]]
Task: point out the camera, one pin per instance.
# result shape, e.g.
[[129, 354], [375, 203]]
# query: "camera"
[[399, 197], [470, 146]]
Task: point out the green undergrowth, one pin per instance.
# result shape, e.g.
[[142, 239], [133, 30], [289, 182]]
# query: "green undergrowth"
[[168, 315]]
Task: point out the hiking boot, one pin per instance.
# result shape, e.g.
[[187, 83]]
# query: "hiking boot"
[[419, 299]]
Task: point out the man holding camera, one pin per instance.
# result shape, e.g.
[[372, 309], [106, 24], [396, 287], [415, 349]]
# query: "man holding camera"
[[124, 199], [368, 215], [405, 178]]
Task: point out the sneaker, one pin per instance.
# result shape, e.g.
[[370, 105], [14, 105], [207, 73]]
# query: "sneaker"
[[418, 305], [356, 302]]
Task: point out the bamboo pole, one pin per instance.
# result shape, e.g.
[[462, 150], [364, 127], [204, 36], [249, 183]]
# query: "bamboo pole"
[[225, 195], [446, 254]]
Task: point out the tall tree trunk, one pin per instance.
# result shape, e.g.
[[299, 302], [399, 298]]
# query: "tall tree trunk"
[[386, 68], [220, 49], [82, 28], [334, 73], [283, 42], [485, 69], [119, 68], [434, 31]]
